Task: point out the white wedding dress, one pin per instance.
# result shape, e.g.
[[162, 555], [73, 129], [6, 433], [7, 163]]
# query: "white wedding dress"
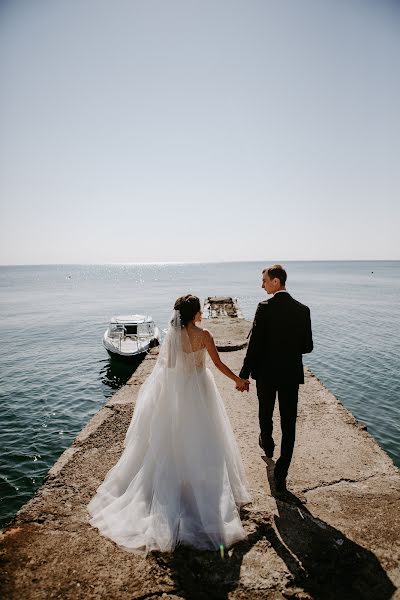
[[180, 478]]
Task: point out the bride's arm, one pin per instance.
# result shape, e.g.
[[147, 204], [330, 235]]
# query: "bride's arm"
[[213, 352]]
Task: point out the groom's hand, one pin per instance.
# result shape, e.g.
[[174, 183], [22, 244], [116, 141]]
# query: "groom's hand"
[[243, 385]]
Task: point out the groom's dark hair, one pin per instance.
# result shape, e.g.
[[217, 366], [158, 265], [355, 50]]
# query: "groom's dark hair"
[[276, 271]]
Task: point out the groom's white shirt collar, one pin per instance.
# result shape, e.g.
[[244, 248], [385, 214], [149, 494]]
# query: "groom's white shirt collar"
[[285, 291]]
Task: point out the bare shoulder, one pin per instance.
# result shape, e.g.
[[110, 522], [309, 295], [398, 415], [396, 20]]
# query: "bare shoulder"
[[207, 335]]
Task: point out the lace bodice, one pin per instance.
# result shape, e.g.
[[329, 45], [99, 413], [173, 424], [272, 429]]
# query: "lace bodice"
[[197, 358], [194, 348]]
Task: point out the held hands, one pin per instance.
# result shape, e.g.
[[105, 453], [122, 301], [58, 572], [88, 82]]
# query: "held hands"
[[243, 385]]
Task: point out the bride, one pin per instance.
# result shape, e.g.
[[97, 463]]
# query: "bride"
[[180, 478]]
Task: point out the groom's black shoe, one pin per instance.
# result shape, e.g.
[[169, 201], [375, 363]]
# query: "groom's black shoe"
[[269, 452]]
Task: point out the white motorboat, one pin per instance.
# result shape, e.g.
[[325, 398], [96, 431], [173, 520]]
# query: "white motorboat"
[[130, 335]]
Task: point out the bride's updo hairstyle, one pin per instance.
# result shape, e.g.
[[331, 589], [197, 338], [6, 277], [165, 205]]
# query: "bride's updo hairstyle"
[[188, 307]]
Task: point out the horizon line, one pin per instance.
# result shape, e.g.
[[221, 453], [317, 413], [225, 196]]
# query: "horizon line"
[[198, 262]]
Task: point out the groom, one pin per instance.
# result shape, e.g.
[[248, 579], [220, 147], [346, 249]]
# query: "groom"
[[281, 333]]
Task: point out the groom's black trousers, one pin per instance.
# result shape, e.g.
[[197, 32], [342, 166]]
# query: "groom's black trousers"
[[287, 397]]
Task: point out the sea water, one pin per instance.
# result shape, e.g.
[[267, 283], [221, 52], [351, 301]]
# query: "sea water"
[[55, 373]]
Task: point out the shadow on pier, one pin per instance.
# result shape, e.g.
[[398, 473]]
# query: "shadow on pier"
[[321, 561]]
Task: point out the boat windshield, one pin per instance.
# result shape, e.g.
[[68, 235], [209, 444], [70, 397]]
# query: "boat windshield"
[[140, 329], [116, 330], [131, 329], [145, 329]]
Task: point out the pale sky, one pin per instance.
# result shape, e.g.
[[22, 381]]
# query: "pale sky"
[[182, 130]]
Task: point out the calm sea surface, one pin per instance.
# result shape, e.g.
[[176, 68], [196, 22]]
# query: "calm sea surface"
[[55, 373]]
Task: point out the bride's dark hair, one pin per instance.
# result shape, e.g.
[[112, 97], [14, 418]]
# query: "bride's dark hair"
[[188, 307]]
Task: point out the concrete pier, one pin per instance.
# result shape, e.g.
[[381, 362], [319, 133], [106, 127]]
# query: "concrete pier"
[[334, 536]]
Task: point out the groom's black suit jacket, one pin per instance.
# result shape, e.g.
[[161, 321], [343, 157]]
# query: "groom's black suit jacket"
[[281, 333]]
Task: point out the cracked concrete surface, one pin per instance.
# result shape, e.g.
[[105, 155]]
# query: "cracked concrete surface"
[[334, 535]]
